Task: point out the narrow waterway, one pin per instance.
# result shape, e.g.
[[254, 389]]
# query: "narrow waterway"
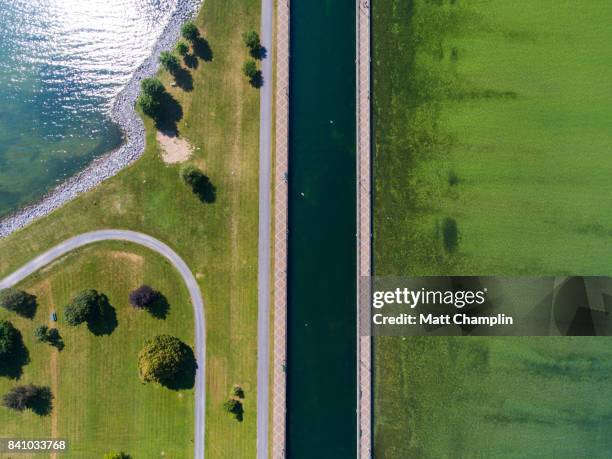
[[321, 378]]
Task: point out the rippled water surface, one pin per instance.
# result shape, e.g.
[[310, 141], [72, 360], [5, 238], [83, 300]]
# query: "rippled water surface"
[[61, 64]]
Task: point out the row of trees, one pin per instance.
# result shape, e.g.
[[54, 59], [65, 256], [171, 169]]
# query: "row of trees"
[[249, 68]]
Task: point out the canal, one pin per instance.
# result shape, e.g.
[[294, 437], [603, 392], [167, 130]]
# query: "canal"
[[321, 380]]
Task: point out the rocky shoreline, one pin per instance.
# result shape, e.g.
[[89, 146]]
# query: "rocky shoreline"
[[122, 113]]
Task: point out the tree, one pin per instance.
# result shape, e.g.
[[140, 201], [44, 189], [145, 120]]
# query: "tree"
[[250, 69], [234, 407], [87, 306], [164, 359], [48, 335], [120, 455], [153, 87], [190, 31], [182, 48], [251, 40], [13, 353], [35, 398], [170, 62], [42, 333], [11, 343], [144, 297], [149, 105], [18, 301]]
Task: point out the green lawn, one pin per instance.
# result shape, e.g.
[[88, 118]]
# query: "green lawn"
[[219, 240], [100, 403], [495, 115]]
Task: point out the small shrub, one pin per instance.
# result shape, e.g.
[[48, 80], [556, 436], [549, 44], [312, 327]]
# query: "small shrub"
[[189, 31], [153, 87], [234, 407], [251, 40], [182, 48], [120, 455], [41, 333], [250, 69], [18, 301], [149, 105], [238, 391], [169, 62]]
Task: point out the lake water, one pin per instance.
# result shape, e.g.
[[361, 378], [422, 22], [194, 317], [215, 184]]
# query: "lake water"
[[61, 64]]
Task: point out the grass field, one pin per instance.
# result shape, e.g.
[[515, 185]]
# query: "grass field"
[[494, 115], [100, 404], [218, 240]]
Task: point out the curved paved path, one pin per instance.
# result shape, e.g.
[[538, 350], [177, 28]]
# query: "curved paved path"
[[192, 285]]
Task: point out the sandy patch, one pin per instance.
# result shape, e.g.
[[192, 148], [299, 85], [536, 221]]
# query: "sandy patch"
[[174, 149]]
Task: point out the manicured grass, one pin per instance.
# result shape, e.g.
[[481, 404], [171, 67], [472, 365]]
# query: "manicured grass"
[[100, 404], [218, 240], [495, 115]]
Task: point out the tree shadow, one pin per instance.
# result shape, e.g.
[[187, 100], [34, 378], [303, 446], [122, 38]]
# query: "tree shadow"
[[185, 377], [55, 339], [106, 321], [205, 190], [202, 49], [13, 367], [259, 53], [170, 113], [191, 61], [160, 307], [257, 80], [183, 79], [42, 404]]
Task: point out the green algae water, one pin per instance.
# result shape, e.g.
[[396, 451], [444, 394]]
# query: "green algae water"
[[62, 62], [321, 391]]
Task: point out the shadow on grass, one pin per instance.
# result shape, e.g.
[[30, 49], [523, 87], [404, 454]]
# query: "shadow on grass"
[[160, 307], [42, 404], [184, 80], [185, 378], [106, 321], [170, 114], [205, 190], [202, 49], [191, 61], [12, 367]]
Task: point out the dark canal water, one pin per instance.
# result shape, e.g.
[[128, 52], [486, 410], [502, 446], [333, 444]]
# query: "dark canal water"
[[322, 261]]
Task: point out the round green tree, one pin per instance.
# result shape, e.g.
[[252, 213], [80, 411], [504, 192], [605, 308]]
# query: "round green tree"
[[148, 104], [189, 31], [250, 69], [153, 87], [164, 359], [87, 306], [170, 62], [18, 301], [251, 40], [11, 343], [182, 48]]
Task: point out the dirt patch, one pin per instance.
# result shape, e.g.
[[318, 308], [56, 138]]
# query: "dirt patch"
[[131, 258], [174, 149]]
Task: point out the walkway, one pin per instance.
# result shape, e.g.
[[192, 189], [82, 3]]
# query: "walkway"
[[364, 228], [190, 281], [265, 199]]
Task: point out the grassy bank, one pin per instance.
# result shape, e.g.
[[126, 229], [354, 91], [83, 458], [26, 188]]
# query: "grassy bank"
[[100, 404], [491, 115], [220, 116]]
